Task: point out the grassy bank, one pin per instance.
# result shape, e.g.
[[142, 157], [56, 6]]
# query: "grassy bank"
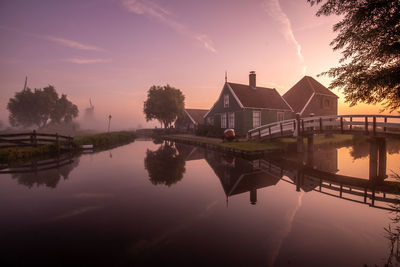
[[104, 140], [279, 144], [100, 142]]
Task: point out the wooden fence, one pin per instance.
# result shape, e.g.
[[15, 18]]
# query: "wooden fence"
[[34, 139]]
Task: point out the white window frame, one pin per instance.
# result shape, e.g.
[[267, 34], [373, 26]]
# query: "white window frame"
[[280, 114], [255, 122], [223, 120], [231, 120], [226, 101]]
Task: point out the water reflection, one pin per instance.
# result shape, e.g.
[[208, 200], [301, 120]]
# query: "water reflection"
[[165, 165], [43, 172]]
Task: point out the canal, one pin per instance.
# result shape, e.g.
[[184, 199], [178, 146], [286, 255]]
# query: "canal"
[[147, 204]]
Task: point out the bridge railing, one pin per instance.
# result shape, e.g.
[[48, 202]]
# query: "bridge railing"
[[366, 124]]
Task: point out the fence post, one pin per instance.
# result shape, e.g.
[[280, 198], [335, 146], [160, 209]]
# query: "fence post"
[[351, 123], [34, 138], [384, 128], [57, 143], [269, 131], [259, 133], [320, 124], [341, 124], [299, 135], [281, 128], [366, 124], [374, 125]]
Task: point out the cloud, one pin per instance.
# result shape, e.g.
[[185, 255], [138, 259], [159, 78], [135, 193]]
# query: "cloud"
[[70, 43], [273, 9], [63, 41], [82, 61], [153, 10]]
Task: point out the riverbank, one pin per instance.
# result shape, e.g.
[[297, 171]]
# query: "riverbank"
[[101, 141], [254, 148]]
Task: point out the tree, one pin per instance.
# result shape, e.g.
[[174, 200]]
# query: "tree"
[[369, 36], [165, 165], [40, 107], [164, 103]]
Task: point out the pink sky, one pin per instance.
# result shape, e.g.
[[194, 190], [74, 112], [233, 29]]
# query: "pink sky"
[[112, 51]]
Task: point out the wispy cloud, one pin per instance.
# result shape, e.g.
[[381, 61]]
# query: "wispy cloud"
[[273, 9], [70, 43], [66, 42], [82, 61], [153, 10]]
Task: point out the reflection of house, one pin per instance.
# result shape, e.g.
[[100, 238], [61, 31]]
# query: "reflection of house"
[[244, 107], [239, 176], [309, 96], [189, 152], [190, 119]]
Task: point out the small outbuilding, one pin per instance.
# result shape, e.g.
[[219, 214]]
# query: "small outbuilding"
[[309, 96], [190, 120]]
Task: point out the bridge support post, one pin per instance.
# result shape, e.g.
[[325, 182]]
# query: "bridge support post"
[[382, 158], [253, 196], [298, 134], [377, 160], [373, 160]]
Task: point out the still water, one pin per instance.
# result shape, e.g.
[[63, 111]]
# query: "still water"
[[147, 204]]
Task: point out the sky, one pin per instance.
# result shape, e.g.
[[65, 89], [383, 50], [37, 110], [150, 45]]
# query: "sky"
[[113, 51]]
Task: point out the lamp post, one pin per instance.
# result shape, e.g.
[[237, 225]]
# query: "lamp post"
[[109, 121]]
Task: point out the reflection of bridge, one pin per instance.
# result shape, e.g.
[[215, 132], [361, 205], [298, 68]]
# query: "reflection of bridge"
[[372, 125], [238, 176], [340, 186]]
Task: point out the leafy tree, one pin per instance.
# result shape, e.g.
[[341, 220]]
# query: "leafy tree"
[[164, 103], [40, 107], [369, 36], [165, 165]]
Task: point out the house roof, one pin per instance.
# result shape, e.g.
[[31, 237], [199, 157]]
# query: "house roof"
[[299, 95], [260, 97], [196, 115]]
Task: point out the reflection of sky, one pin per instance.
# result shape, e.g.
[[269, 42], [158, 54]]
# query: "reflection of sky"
[[113, 51], [111, 203]]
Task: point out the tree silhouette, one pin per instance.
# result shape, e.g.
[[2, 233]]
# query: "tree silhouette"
[[40, 107], [165, 165], [369, 36], [164, 103]]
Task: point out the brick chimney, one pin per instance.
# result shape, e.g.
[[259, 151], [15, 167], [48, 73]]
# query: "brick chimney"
[[252, 79]]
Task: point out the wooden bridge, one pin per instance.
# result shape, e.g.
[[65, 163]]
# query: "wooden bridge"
[[371, 125], [34, 139]]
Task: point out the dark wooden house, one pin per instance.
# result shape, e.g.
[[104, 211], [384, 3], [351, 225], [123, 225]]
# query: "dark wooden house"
[[190, 120], [244, 107], [309, 96]]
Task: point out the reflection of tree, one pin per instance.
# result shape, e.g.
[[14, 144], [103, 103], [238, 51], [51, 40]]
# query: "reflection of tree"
[[48, 177], [165, 166], [361, 149]]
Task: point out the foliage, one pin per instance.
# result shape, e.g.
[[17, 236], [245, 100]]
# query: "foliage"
[[369, 34], [105, 140], [165, 165], [210, 131], [40, 107], [164, 103]]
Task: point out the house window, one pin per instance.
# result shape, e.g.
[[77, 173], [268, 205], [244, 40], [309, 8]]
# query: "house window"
[[226, 101], [256, 118], [327, 103], [231, 121], [223, 120], [210, 120], [280, 116]]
